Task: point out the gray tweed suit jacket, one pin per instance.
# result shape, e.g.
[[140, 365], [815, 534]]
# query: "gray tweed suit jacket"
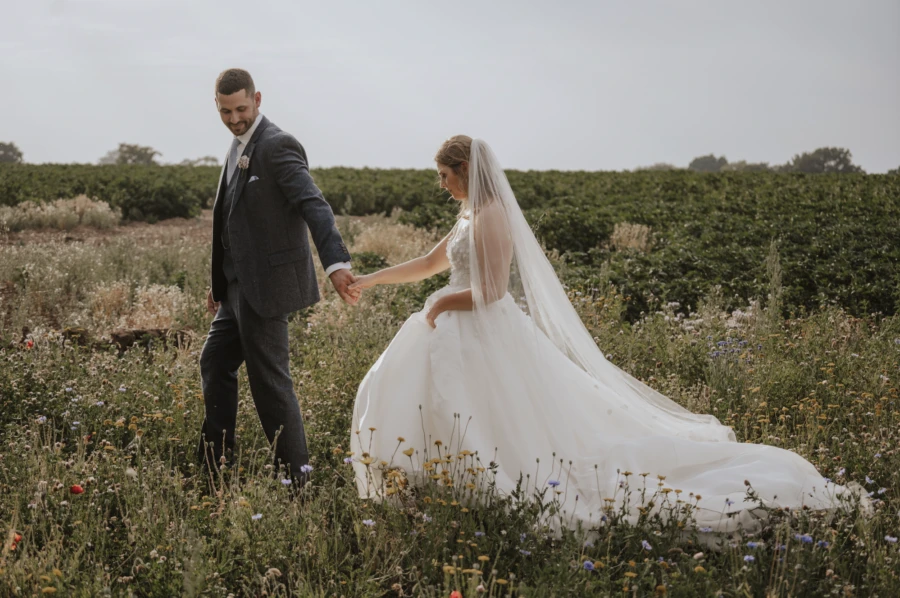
[[273, 203]]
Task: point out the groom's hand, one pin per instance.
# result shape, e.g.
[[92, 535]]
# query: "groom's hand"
[[342, 279], [211, 306]]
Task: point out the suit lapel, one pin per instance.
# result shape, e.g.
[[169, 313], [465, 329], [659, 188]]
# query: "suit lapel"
[[241, 173], [219, 186]]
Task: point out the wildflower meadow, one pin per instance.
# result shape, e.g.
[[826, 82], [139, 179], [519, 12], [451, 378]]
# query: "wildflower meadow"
[[100, 410]]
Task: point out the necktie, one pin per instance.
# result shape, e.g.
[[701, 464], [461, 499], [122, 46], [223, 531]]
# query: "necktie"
[[232, 159]]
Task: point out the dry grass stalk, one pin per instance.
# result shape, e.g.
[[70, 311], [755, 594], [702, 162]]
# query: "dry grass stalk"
[[631, 236], [118, 305], [62, 214], [393, 241]]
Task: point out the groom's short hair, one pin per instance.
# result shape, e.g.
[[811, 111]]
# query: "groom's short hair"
[[233, 80]]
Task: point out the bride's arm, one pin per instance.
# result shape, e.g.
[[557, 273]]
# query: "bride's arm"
[[460, 300], [414, 270], [493, 253]]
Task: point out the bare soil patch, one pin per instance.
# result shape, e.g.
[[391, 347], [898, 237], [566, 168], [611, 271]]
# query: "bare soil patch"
[[196, 229]]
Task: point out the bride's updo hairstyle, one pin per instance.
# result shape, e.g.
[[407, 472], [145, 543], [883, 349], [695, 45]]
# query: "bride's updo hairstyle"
[[452, 154]]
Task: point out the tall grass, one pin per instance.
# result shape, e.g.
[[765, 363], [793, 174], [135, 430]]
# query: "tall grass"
[[62, 214], [149, 522]]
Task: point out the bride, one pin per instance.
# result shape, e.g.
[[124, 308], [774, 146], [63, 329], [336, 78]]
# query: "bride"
[[497, 376]]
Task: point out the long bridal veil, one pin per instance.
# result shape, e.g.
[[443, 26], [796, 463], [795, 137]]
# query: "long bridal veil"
[[506, 256], [564, 402]]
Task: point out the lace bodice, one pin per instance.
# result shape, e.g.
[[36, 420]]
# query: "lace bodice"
[[458, 254]]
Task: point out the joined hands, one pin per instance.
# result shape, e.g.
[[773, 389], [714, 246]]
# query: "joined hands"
[[343, 281]]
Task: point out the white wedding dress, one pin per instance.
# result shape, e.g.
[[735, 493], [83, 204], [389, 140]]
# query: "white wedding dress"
[[508, 394]]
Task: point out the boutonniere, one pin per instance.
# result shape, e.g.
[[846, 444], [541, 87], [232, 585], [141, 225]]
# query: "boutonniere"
[[244, 162]]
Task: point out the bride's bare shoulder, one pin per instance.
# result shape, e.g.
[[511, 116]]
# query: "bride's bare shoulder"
[[490, 211]]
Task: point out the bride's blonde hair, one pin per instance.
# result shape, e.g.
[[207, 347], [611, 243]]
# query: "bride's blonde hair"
[[454, 153]]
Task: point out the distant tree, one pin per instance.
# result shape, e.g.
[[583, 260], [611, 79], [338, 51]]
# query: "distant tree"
[[10, 154], [136, 154], [895, 172], [204, 161], [658, 166], [823, 160], [128, 153], [111, 157], [744, 166], [707, 164]]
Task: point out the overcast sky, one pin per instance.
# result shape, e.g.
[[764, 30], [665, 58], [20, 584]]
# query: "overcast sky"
[[594, 85]]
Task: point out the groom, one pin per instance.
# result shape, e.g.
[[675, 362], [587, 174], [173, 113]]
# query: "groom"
[[262, 269]]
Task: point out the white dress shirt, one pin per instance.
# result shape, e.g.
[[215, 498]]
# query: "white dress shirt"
[[242, 145]]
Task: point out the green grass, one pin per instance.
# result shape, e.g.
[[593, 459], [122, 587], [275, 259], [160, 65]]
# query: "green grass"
[[150, 523]]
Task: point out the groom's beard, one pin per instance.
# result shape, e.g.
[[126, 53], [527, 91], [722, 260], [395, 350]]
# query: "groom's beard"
[[243, 126]]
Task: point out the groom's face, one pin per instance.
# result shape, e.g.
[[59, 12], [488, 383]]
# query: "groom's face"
[[239, 110]]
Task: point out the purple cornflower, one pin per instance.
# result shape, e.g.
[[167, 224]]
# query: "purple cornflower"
[[749, 558], [553, 483], [588, 566], [306, 468], [286, 482], [752, 544], [368, 522], [256, 517], [646, 545], [805, 538], [348, 460]]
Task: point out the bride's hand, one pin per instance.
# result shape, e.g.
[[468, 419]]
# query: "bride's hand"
[[362, 282], [432, 315]]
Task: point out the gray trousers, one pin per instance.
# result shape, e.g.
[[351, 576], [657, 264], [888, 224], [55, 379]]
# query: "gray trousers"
[[238, 335]]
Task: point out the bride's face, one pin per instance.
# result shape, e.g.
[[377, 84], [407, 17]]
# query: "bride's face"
[[450, 181]]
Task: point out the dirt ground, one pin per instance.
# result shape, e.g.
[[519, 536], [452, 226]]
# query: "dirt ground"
[[194, 229]]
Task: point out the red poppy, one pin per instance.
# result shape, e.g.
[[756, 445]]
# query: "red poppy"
[[16, 539], [29, 344], [455, 594], [76, 489]]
